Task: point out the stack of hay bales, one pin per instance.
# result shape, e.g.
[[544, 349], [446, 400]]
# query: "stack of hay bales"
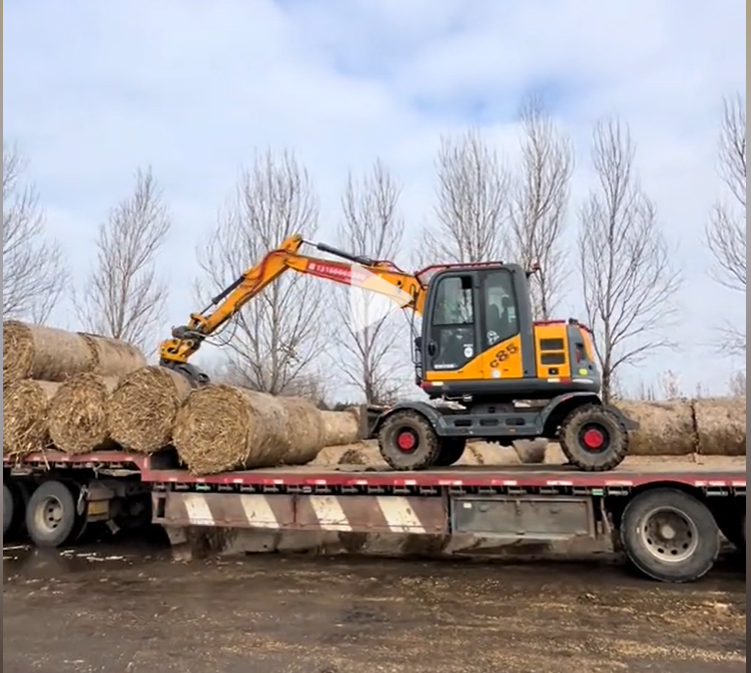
[[55, 387], [81, 392]]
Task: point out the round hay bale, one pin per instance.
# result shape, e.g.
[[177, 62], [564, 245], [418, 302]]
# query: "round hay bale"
[[721, 426], [667, 428], [221, 428], [44, 353], [25, 407], [77, 415], [142, 408], [113, 357], [339, 427], [305, 431]]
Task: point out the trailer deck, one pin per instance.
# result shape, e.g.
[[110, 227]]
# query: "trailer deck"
[[667, 513]]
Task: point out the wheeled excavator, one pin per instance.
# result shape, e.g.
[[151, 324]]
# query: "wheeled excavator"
[[507, 376]]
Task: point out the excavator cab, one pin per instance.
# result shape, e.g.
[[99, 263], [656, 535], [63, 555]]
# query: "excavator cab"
[[479, 339]]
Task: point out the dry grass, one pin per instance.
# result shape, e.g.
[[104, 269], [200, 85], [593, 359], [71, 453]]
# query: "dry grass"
[[77, 417], [221, 428], [721, 427], [25, 408], [667, 428], [339, 427], [143, 406], [113, 357], [44, 353]]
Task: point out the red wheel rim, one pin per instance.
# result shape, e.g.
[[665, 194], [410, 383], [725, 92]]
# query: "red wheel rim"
[[593, 439], [406, 440]]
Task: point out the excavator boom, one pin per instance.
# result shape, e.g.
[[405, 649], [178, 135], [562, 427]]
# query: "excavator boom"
[[358, 271]]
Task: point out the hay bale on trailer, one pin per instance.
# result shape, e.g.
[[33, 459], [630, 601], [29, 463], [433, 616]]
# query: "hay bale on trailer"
[[142, 408], [721, 426], [77, 415], [44, 353], [340, 427], [221, 428], [25, 411], [667, 428]]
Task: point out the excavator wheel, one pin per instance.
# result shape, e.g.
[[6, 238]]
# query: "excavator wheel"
[[407, 441], [451, 451], [593, 438]]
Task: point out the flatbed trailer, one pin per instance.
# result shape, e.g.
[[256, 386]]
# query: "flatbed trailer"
[[667, 518]]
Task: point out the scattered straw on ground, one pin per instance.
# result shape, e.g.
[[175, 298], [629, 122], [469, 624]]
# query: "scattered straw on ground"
[[44, 353], [667, 428], [25, 407], [77, 417], [113, 357], [143, 406], [721, 426]]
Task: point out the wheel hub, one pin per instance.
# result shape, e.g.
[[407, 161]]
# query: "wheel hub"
[[594, 439], [50, 515], [669, 535], [406, 440]]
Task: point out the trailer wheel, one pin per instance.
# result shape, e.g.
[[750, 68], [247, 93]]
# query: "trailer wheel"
[[594, 439], [8, 510], [670, 536], [407, 441], [15, 499], [52, 519], [450, 452]]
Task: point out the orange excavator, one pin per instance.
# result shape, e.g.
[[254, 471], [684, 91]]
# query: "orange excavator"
[[510, 377]]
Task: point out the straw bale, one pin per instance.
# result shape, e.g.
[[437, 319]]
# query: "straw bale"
[[44, 353], [25, 407], [340, 427], [142, 408], [221, 428], [721, 426], [667, 428], [77, 417], [305, 431], [113, 357]]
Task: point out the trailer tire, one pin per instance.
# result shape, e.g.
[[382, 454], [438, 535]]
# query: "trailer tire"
[[670, 535], [8, 510], [52, 519]]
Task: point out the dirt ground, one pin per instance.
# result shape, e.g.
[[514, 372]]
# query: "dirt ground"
[[128, 611]]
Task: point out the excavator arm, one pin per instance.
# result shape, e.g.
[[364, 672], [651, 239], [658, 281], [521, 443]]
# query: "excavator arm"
[[382, 277]]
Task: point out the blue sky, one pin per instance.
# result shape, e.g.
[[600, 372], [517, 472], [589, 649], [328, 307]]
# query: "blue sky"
[[94, 89]]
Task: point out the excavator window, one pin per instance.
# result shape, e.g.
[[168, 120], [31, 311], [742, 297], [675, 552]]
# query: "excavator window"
[[499, 303], [452, 325]]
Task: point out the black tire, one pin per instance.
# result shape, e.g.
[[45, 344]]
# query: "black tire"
[[689, 555], [392, 441], [8, 511], [733, 527], [451, 450], [52, 519], [594, 439]]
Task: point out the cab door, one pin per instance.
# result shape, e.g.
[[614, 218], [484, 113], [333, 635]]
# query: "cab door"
[[451, 326]]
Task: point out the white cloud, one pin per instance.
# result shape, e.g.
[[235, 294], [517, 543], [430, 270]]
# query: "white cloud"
[[92, 90]]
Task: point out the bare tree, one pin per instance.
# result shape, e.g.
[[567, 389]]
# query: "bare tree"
[[275, 340], [123, 296], [627, 278], [34, 273], [472, 210], [737, 384], [372, 227], [726, 230], [539, 205]]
